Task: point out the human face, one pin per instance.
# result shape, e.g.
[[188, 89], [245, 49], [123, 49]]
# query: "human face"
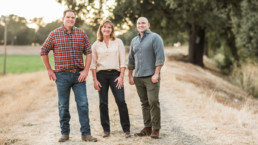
[[69, 20], [106, 30], [142, 25]]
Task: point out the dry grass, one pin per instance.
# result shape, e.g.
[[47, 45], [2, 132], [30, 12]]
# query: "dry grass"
[[246, 78], [211, 107], [197, 108], [20, 95]]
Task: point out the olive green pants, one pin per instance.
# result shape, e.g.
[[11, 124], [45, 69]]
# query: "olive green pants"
[[149, 96]]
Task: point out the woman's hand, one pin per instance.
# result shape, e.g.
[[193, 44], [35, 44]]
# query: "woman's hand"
[[120, 82], [97, 85]]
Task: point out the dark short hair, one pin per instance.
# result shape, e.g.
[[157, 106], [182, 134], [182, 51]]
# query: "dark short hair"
[[69, 10]]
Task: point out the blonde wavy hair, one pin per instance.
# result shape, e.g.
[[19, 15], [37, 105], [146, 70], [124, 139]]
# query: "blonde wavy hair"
[[99, 33]]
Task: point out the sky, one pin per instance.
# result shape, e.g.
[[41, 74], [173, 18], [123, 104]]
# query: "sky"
[[50, 10]]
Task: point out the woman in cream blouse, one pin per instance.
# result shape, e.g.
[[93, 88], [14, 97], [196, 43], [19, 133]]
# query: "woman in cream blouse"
[[108, 67]]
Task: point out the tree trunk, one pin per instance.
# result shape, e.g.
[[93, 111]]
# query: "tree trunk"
[[196, 45], [206, 48], [231, 42]]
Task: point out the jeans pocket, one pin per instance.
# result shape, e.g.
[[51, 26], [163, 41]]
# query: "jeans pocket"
[[60, 76]]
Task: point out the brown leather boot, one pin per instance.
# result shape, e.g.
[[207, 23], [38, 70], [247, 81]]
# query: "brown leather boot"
[[106, 134], [89, 138], [155, 134], [127, 134], [63, 138], [146, 131]]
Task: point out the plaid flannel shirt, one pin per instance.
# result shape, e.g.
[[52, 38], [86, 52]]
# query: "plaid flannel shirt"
[[67, 48]]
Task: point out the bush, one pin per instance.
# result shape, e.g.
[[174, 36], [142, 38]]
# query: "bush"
[[224, 60], [246, 77]]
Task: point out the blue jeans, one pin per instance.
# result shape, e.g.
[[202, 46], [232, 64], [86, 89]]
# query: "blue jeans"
[[106, 79], [65, 81]]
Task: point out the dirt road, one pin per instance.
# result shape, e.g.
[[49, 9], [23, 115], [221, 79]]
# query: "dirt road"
[[190, 116]]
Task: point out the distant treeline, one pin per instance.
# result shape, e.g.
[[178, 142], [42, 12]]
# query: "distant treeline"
[[18, 32]]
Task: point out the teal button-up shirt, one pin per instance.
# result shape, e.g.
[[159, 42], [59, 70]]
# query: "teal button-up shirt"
[[145, 54]]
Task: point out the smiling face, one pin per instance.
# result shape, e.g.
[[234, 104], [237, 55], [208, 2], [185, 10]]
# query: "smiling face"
[[106, 30], [69, 20], [142, 24]]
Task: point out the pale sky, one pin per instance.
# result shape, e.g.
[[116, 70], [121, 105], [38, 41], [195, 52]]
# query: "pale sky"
[[50, 10]]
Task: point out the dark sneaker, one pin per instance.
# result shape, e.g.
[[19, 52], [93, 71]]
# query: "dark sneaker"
[[155, 134], [63, 138], [106, 134], [146, 131], [127, 134], [89, 138]]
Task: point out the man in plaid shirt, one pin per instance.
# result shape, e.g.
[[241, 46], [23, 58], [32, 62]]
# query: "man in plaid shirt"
[[69, 43]]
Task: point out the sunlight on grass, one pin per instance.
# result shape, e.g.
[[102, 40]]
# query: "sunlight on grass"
[[21, 64]]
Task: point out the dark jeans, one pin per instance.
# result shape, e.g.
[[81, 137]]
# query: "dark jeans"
[[106, 79], [65, 81], [149, 96]]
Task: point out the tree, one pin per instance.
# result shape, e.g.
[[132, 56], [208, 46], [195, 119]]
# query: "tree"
[[157, 11], [91, 11], [37, 21], [43, 31], [246, 28], [18, 32], [91, 33], [169, 17], [1, 34]]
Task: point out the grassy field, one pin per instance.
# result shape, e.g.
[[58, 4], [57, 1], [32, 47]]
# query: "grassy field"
[[17, 64]]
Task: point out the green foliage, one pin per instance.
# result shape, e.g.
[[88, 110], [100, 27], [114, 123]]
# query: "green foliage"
[[79, 6], [44, 31], [1, 34], [92, 35], [173, 18], [22, 64], [246, 77], [128, 36], [224, 59], [88, 10], [18, 32], [246, 28], [159, 14]]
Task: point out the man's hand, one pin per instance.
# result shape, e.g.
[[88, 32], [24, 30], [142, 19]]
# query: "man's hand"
[[51, 75], [83, 76], [155, 78], [131, 81], [120, 82]]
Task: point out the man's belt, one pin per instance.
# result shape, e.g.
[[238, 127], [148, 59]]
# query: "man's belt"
[[72, 70]]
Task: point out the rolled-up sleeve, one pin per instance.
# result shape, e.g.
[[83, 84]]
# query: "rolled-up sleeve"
[[122, 62], [159, 50], [131, 61], [48, 45]]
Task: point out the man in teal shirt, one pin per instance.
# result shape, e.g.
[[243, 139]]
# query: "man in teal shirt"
[[146, 57]]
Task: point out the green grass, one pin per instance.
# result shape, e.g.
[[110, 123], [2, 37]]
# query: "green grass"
[[17, 64]]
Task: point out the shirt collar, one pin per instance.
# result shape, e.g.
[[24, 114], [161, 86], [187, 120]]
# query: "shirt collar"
[[145, 32], [65, 30]]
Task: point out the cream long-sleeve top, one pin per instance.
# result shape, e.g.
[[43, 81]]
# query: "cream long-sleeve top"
[[107, 58]]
